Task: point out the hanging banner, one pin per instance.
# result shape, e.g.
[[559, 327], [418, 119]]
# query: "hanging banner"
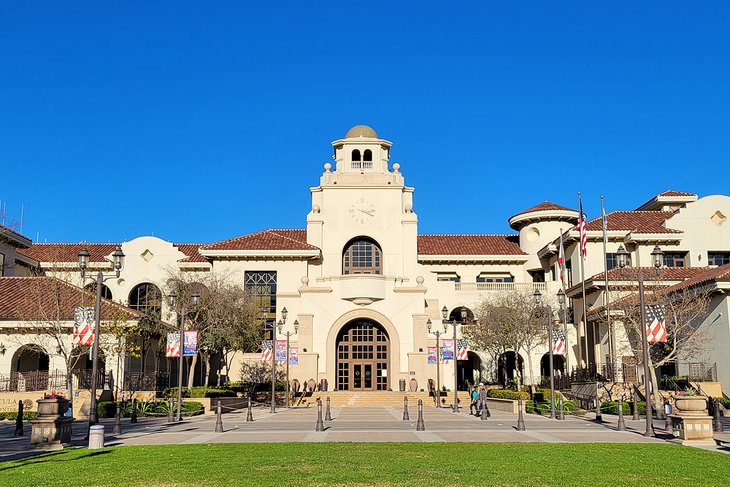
[[447, 350], [293, 355], [280, 351], [190, 344], [173, 344], [83, 326], [431, 355]]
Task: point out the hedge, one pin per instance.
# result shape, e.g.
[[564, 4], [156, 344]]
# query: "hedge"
[[108, 409], [569, 407], [611, 407], [199, 391], [724, 401], [13, 415], [507, 394]]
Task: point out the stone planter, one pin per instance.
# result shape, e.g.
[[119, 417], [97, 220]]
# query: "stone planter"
[[52, 407], [691, 405], [51, 427]]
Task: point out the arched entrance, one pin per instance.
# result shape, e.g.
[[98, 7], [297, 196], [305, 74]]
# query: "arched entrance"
[[469, 371], [509, 366], [558, 365], [362, 360]]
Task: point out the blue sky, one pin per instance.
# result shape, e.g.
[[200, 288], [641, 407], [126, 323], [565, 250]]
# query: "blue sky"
[[198, 121]]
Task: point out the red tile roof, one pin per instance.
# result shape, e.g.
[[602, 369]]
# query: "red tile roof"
[[634, 221], [667, 273], [68, 252], [192, 251], [544, 206], [50, 299], [469, 245], [13, 235], [706, 275], [272, 239], [671, 192]]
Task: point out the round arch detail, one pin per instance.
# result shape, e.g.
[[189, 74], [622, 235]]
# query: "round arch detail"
[[359, 314]]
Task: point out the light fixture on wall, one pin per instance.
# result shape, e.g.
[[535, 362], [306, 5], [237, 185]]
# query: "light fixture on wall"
[[2, 349]]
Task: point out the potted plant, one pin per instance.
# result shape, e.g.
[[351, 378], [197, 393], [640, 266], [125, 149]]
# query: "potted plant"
[[52, 404]]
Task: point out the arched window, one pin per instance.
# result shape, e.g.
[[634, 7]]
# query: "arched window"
[[146, 298], [367, 158], [362, 256], [356, 155], [106, 293]]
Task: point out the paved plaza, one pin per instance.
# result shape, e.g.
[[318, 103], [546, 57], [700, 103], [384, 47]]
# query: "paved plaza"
[[356, 424]]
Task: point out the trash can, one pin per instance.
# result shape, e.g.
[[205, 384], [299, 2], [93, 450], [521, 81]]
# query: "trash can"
[[402, 385], [96, 437]]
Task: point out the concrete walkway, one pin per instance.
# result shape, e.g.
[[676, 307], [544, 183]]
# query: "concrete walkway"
[[373, 424]]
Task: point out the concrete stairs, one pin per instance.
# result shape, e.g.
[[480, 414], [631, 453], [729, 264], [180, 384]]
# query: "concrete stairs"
[[368, 398]]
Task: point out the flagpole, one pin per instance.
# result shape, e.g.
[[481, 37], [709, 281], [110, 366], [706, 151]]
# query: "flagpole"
[[565, 307], [583, 285], [606, 300]]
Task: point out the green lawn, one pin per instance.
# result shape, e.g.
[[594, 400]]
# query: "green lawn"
[[421, 464]]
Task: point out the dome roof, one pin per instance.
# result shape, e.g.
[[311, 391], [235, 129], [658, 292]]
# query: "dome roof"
[[361, 131]]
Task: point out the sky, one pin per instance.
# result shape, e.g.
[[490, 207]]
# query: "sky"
[[200, 121]]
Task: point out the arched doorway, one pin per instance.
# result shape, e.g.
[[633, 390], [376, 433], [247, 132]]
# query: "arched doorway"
[[558, 365], [30, 358], [509, 366], [362, 357], [469, 371]]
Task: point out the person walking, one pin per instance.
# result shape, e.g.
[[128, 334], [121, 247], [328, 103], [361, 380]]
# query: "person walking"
[[482, 398], [474, 405]]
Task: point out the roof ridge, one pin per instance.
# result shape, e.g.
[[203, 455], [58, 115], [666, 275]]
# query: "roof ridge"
[[468, 234], [287, 237]]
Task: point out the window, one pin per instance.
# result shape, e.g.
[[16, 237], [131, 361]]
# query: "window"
[[106, 293], [448, 277], [2, 264], [674, 259], [487, 278], [261, 287], [367, 159], [362, 256], [356, 160], [537, 276], [611, 261], [145, 298], [718, 258]]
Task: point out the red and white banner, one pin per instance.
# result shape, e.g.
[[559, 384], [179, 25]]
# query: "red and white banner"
[[656, 332], [559, 343], [83, 326], [463, 349], [173, 344], [266, 353]]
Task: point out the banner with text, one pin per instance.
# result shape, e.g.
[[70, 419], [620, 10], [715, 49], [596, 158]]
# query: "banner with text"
[[431, 355], [173, 344], [190, 343], [293, 355], [447, 350], [280, 352]]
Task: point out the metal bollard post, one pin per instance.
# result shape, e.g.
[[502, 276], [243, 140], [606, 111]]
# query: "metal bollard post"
[[621, 426], [118, 420], [667, 420], [562, 409], [420, 426], [320, 425], [19, 420], [520, 417], [599, 417], [328, 414], [249, 415], [133, 419], [170, 412], [635, 416], [405, 409], [96, 436], [716, 417], [218, 419]]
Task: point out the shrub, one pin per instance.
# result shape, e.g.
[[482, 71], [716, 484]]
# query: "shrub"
[[13, 415], [507, 394], [724, 401], [209, 392], [106, 409], [611, 407], [171, 392]]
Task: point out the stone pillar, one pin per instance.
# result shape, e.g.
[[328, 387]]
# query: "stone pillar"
[[691, 422], [52, 426]]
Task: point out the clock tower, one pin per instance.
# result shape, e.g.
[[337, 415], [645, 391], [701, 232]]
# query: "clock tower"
[[362, 197]]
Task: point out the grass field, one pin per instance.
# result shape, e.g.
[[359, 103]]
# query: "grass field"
[[280, 464]]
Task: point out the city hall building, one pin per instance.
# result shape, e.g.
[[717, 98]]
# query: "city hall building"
[[363, 283]]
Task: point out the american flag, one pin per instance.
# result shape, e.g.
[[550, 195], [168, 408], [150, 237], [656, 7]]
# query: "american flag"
[[266, 353], [463, 347], [83, 328], [582, 228], [559, 342], [561, 263], [173, 344], [655, 330]]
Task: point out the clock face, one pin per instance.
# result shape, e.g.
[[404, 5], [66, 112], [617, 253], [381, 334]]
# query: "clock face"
[[362, 210]]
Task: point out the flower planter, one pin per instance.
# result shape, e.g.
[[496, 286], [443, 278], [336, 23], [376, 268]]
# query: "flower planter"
[[52, 407], [691, 405]]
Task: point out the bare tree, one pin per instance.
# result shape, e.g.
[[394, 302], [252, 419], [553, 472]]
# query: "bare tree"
[[507, 321]]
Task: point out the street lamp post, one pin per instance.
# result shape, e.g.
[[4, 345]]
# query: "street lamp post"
[[281, 323], [657, 256], [549, 313], [437, 333], [182, 313], [288, 334], [454, 323], [118, 262]]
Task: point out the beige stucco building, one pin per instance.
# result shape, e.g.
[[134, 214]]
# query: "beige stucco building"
[[362, 282]]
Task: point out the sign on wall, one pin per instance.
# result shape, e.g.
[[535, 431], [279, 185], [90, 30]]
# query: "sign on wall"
[[191, 343]]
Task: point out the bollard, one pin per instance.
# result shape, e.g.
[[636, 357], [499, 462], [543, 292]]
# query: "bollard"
[[118, 420], [520, 418], [218, 419], [635, 416], [599, 417], [170, 413], [716, 417], [328, 414], [96, 436], [562, 409], [621, 426], [133, 419], [420, 426], [667, 420], [405, 409], [249, 415], [320, 425], [19, 420]]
